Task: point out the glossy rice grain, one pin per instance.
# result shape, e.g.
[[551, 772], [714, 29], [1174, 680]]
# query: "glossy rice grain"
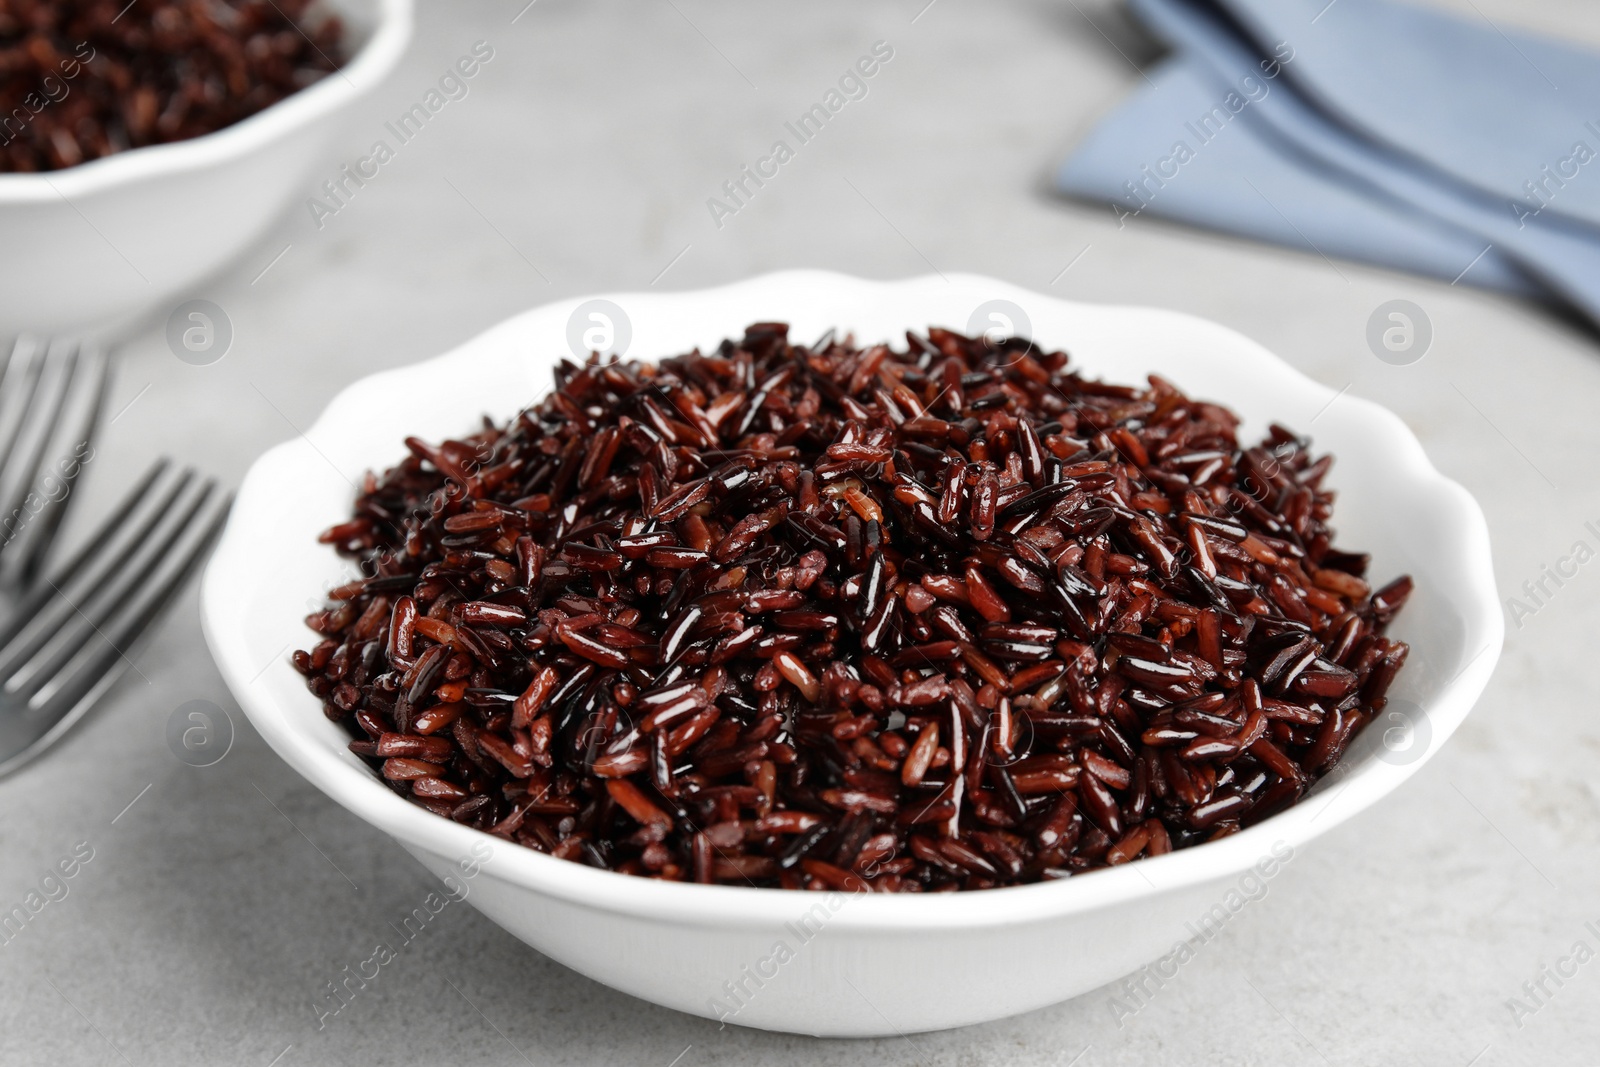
[[923, 619]]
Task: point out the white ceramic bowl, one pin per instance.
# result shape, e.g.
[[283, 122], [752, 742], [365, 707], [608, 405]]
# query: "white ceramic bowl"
[[96, 244], [851, 965]]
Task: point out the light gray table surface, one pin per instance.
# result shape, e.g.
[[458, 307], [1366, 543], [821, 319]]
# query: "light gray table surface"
[[213, 908]]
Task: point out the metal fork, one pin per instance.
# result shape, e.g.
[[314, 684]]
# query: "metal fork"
[[51, 393], [70, 639]]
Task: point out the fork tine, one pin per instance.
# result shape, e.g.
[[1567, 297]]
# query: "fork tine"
[[82, 401], [71, 617], [96, 666], [17, 385], [108, 650], [58, 364], [50, 361], [12, 358], [89, 564], [46, 390]]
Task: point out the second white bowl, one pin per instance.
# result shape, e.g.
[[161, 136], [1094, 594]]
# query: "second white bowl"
[[92, 245]]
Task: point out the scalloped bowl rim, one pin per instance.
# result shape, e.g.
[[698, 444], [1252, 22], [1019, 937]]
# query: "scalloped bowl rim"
[[356, 788], [375, 60]]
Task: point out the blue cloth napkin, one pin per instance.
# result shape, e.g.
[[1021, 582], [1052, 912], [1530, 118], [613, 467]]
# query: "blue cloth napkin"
[[1368, 130]]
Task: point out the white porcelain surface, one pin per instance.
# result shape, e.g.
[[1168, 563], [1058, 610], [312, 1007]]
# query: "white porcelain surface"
[[879, 965], [97, 243]]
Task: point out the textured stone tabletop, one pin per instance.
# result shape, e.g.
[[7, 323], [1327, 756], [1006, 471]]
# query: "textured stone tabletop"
[[215, 903]]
